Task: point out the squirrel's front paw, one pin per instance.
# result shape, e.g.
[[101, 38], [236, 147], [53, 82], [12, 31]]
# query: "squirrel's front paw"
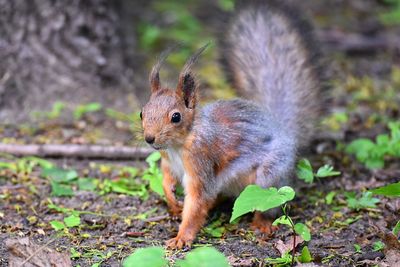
[[176, 210], [179, 242]]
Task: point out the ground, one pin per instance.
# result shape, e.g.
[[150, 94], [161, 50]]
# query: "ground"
[[119, 211]]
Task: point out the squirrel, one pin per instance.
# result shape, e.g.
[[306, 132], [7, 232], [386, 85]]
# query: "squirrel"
[[219, 149]]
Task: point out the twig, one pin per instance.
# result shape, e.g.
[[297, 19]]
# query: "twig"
[[76, 151], [156, 218], [36, 252]]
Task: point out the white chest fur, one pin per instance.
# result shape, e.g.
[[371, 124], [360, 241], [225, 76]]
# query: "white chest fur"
[[176, 165]]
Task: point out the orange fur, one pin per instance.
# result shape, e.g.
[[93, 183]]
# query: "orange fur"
[[169, 187], [194, 215], [195, 209], [262, 224]]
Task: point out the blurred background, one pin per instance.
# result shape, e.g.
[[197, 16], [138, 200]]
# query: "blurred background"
[[88, 61]]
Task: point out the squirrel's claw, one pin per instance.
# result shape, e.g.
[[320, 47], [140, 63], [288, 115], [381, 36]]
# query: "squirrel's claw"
[[178, 242]]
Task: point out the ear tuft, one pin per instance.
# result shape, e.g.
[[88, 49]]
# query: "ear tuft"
[[189, 90], [154, 77], [187, 85]]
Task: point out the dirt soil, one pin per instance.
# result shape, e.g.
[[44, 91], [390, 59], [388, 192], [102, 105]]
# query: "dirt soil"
[[117, 223]]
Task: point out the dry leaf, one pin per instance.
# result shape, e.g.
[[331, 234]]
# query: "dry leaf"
[[288, 245], [23, 251]]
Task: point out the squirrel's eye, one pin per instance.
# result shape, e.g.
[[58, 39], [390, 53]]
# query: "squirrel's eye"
[[176, 117], [141, 116]]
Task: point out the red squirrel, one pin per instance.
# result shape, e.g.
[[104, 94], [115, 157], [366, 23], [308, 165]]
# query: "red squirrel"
[[224, 146]]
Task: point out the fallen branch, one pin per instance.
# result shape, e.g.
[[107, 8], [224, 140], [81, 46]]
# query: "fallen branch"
[[76, 151]]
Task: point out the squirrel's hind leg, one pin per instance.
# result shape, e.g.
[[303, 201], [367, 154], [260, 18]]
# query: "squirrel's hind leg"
[[262, 222], [269, 175]]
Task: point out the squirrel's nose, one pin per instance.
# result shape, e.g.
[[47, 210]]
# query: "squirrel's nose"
[[149, 139]]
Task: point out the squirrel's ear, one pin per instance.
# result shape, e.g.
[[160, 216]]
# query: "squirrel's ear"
[[187, 89], [154, 77], [187, 83]]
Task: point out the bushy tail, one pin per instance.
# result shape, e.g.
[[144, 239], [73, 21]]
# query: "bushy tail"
[[271, 58]]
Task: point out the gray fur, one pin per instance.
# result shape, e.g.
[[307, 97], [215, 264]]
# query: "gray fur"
[[264, 146], [270, 54]]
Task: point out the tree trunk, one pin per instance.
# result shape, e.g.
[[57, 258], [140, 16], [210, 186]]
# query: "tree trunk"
[[71, 51]]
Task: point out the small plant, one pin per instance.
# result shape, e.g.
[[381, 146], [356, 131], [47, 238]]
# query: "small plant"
[[54, 113], [26, 164], [255, 198], [69, 222], [365, 201], [83, 109], [153, 173], [286, 259], [299, 228], [357, 248], [215, 229], [336, 120], [305, 171], [396, 228], [94, 254], [155, 257], [391, 17], [61, 180], [378, 245], [390, 190], [124, 186], [373, 154]]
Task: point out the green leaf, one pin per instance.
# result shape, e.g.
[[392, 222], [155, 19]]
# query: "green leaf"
[[390, 190], [329, 197], [286, 220], [60, 175], [226, 5], [326, 171], [155, 180], [57, 225], [305, 256], [125, 186], [61, 190], [203, 257], [302, 230], [365, 201], [305, 171], [146, 257], [378, 245], [8, 165], [153, 157], [254, 198], [214, 229], [361, 148], [72, 221], [357, 248], [87, 184], [285, 260], [396, 228], [86, 108], [40, 162], [75, 254], [374, 163]]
